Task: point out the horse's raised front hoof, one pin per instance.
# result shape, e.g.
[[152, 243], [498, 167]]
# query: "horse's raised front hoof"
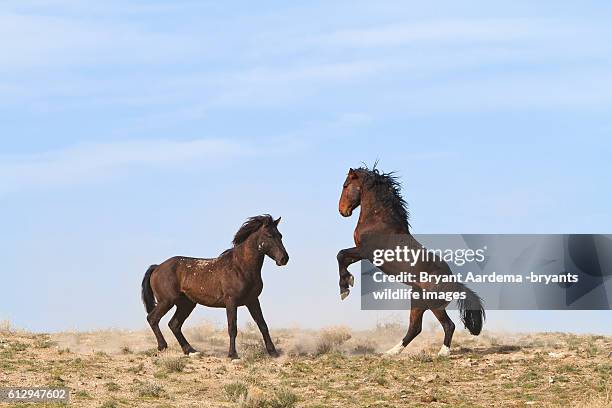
[[395, 350], [444, 351], [344, 294], [351, 280]]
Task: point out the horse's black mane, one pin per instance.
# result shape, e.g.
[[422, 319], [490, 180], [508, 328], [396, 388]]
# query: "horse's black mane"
[[387, 188], [250, 226]]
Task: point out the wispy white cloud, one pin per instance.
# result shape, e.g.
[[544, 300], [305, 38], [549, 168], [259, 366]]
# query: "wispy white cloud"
[[560, 89], [444, 31], [30, 41], [88, 162], [280, 67], [80, 7]]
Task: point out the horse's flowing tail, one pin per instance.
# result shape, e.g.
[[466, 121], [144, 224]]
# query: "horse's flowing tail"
[[148, 298], [471, 311]]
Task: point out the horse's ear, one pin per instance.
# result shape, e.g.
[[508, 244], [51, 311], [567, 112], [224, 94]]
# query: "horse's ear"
[[276, 222], [352, 173]]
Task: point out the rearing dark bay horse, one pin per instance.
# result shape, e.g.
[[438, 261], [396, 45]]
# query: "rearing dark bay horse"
[[231, 280], [384, 214]]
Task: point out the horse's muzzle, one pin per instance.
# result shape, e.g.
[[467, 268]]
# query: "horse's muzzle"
[[283, 261], [346, 213]]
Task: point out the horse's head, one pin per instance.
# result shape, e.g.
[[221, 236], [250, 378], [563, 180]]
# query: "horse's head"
[[270, 242], [351, 194]]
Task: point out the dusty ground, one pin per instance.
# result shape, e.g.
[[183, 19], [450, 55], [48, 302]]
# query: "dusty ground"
[[329, 368]]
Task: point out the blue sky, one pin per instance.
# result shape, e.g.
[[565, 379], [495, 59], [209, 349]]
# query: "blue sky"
[[134, 131]]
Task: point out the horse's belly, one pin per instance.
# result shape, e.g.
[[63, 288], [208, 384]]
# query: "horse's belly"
[[203, 298], [202, 290]]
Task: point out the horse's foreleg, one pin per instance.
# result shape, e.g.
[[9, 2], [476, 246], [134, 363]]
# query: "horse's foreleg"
[[414, 328], [154, 317], [184, 307], [255, 310], [449, 329], [232, 328], [345, 258]]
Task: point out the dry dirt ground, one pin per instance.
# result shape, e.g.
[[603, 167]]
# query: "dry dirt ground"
[[333, 367]]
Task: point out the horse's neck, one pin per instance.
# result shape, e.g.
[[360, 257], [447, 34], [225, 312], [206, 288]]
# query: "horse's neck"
[[248, 257], [372, 210]]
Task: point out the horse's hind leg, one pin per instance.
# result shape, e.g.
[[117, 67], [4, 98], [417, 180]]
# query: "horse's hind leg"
[[184, 307], [449, 329], [154, 317], [414, 328]]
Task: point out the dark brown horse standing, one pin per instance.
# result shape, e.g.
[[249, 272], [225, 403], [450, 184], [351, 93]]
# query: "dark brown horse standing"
[[384, 214], [231, 280]]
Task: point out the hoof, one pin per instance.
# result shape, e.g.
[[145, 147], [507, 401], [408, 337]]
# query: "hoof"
[[351, 281], [194, 354], [162, 347], [444, 351], [233, 356], [273, 354], [189, 351], [395, 350], [344, 294]]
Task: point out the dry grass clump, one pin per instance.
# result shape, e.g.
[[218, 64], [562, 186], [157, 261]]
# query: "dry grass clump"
[[135, 369], [43, 341], [390, 328], [150, 390], [254, 397], [112, 386], [422, 357], [364, 346], [5, 327], [597, 401], [252, 351], [173, 364], [331, 339], [110, 404], [283, 398], [378, 376], [150, 352], [235, 391]]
